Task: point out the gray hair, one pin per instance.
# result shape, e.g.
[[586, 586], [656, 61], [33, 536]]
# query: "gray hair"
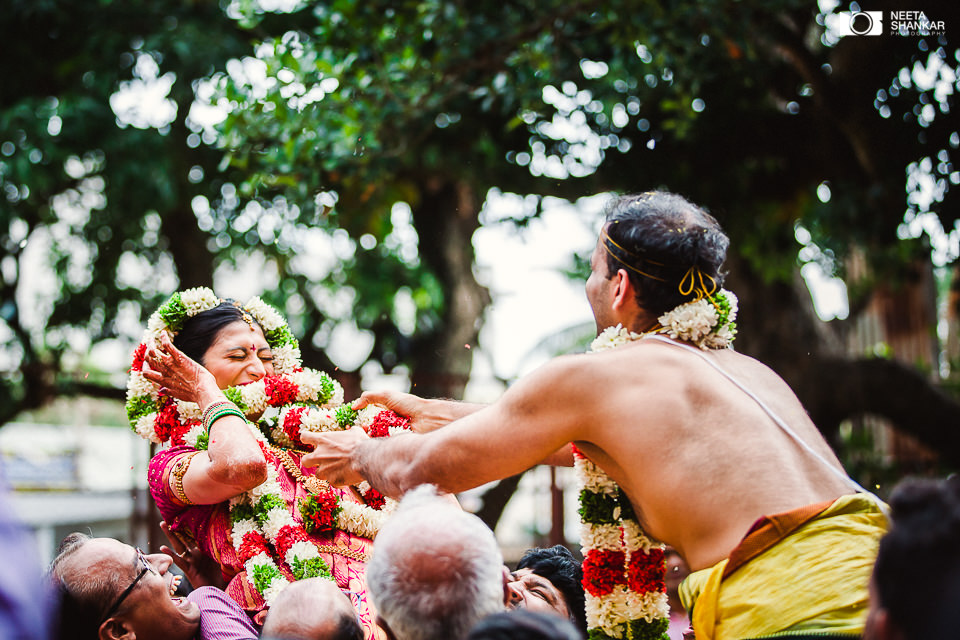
[[85, 594], [436, 570]]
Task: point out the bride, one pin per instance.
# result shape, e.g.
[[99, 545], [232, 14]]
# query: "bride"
[[221, 385]]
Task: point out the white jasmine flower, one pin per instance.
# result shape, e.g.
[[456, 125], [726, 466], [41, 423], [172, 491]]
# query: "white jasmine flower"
[[242, 528], [318, 420], [286, 358], [302, 550], [198, 299], [254, 397], [605, 537], [366, 415], [144, 428], [193, 435], [267, 317], [188, 410], [277, 585], [138, 386], [634, 539], [612, 337], [277, 518]]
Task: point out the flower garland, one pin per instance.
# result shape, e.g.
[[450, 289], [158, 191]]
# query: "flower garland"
[[707, 322], [623, 569], [271, 543]]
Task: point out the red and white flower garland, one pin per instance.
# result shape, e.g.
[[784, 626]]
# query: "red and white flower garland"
[[623, 569], [265, 533]]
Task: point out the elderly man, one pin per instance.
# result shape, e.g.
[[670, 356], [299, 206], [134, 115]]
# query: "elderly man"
[[312, 609], [436, 570], [110, 590], [712, 451]]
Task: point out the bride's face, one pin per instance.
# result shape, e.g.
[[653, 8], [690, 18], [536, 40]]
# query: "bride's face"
[[240, 354]]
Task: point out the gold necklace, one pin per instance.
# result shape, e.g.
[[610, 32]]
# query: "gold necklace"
[[312, 484]]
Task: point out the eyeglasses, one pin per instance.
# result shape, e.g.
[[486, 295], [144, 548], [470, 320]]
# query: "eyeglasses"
[[147, 567]]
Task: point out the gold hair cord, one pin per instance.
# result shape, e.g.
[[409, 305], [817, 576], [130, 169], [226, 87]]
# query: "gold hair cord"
[[608, 239]]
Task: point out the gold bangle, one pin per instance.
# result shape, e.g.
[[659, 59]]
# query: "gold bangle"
[[176, 474]]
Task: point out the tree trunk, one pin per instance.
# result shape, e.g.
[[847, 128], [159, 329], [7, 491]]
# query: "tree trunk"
[[446, 218]]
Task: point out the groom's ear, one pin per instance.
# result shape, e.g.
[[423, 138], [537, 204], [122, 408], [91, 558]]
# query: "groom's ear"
[[624, 293]]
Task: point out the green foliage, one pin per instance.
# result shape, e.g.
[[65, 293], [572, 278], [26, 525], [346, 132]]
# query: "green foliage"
[[340, 110]]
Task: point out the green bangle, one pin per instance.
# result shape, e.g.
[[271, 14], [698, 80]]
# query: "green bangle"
[[213, 407], [220, 413]]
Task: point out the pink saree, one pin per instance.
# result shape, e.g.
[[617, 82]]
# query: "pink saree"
[[209, 525]]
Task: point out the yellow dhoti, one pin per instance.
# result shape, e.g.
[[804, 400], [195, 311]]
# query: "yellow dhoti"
[[802, 572]]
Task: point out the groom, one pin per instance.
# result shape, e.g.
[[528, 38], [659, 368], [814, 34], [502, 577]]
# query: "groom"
[[713, 449]]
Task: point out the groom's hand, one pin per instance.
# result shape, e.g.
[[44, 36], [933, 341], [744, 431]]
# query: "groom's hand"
[[425, 415], [333, 457]]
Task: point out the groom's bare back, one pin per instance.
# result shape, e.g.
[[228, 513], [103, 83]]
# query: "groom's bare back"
[[700, 459]]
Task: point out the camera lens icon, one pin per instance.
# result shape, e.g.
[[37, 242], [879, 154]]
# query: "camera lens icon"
[[861, 23], [866, 23]]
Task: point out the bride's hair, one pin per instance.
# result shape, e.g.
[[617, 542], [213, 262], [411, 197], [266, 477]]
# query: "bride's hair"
[[200, 331]]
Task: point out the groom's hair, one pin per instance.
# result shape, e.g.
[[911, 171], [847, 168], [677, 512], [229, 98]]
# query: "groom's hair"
[[657, 237], [436, 570], [917, 572]]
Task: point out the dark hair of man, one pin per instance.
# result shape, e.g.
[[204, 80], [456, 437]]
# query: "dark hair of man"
[[84, 597], [917, 573], [558, 565], [657, 237], [521, 624], [200, 331]]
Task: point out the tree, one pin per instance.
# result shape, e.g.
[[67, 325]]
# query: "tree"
[[376, 130], [754, 109]]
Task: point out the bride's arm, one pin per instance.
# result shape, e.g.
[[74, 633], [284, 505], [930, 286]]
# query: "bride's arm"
[[233, 462]]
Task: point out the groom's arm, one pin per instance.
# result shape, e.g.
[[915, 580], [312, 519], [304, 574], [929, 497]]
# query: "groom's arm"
[[537, 417]]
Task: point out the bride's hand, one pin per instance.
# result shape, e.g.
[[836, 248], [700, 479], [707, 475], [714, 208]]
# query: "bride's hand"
[[179, 375]]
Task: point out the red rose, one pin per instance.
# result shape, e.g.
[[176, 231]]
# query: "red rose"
[[280, 391], [645, 571], [287, 537], [374, 499], [253, 544], [138, 357], [384, 420], [292, 421], [602, 571]]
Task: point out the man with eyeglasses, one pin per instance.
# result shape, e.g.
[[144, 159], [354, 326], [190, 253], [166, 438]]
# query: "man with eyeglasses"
[[110, 590]]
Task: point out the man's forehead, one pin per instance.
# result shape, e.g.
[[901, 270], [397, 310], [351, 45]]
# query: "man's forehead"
[[107, 551]]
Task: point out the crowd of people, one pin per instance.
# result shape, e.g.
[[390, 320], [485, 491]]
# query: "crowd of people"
[[294, 515], [436, 572]]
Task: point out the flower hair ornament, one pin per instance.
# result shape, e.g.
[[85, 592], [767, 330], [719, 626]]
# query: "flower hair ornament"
[[273, 544]]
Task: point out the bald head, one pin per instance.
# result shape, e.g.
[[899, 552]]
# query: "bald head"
[[312, 609]]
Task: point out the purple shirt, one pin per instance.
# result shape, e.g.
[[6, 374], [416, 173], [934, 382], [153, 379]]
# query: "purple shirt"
[[220, 617], [26, 605]]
